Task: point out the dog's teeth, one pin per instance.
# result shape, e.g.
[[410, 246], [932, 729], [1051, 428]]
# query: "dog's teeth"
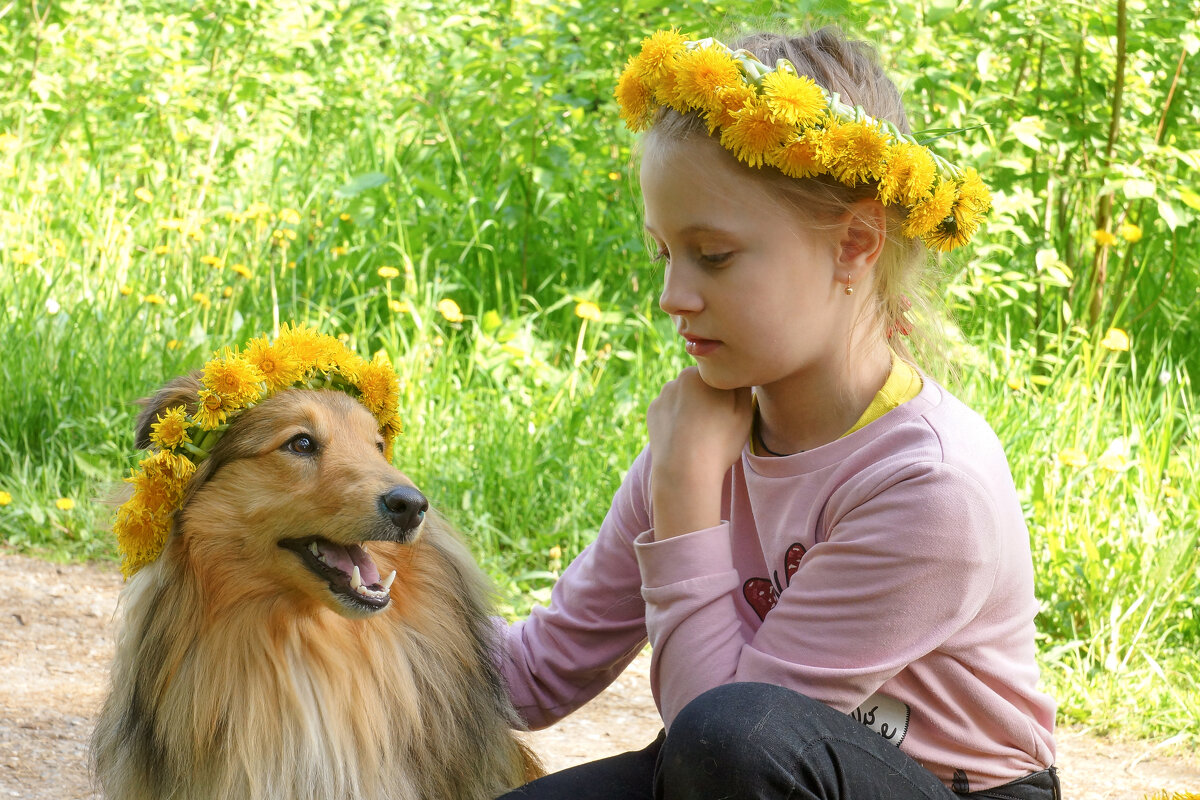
[[356, 579], [312, 548], [387, 582]]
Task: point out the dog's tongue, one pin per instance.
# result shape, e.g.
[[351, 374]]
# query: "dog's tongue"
[[347, 558]]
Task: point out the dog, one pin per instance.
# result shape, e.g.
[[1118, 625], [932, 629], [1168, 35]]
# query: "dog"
[[311, 629]]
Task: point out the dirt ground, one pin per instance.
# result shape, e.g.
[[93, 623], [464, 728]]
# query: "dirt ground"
[[56, 641]]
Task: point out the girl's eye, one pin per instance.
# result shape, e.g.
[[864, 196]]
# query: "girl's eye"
[[302, 444], [715, 259]]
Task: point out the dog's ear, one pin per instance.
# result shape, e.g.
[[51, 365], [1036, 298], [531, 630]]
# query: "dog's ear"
[[183, 391]]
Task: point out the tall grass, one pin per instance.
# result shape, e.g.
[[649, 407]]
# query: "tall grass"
[[455, 188]]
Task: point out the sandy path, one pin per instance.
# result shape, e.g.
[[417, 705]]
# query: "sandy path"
[[55, 643]]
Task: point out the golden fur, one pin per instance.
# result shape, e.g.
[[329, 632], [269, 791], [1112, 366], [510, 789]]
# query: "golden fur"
[[239, 672]]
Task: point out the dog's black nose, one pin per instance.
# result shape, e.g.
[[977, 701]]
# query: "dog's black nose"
[[404, 506]]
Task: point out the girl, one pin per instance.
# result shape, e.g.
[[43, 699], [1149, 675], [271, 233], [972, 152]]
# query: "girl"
[[822, 545]]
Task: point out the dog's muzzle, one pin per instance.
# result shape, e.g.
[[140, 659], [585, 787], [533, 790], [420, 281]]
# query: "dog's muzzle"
[[405, 507]]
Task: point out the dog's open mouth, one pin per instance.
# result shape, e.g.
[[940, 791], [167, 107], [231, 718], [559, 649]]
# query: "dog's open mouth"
[[348, 569]]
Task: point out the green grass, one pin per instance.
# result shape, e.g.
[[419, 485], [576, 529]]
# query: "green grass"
[[251, 164]]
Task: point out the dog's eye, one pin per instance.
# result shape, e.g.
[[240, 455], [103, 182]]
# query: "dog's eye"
[[303, 444], [379, 447]]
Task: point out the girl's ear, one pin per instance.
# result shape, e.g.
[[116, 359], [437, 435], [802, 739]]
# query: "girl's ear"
[[863, 233]]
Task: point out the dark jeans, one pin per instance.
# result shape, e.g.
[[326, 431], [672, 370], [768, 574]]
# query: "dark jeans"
[[756, 740]]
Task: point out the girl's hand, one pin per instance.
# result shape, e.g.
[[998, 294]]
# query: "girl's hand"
[[696, 433]]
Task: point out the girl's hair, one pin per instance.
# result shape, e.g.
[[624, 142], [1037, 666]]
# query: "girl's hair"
[[852, 69]]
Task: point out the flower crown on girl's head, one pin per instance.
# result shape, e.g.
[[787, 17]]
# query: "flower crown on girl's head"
[[780, 118], [300, 357]]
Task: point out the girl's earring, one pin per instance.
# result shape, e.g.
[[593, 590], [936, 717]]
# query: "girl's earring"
[[849, 289]]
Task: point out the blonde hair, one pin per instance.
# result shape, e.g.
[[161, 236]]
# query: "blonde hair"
[[902, 278]]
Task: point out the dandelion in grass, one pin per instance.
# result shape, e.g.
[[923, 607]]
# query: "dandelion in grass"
[[614, 176], [1104, 238], [171, 429], [1115, 340], [257, 210], [5, 498], [340, 250], [243, 270], [450, 310], [289, 216], [161, 250], [143, 194], [126, 290], [24, 255], [216, 262], [202, 300], [587, 310], [154, 300], [227, 292], [400, 306], [1073, 457], [1130, 232], [344, 217], [64, 504], [388, 273], [1016, 384]]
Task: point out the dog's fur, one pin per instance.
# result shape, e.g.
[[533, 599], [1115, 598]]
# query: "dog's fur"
[[241, 673]]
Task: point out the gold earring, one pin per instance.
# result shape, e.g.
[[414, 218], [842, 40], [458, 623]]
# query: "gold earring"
[[849, 288]]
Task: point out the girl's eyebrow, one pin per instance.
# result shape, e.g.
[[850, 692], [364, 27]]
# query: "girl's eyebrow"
[[691, 229]]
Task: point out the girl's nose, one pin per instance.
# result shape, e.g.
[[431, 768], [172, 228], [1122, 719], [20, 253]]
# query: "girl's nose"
[[679, 292]]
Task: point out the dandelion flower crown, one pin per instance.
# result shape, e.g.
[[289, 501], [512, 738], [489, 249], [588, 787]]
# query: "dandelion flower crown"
[[777, 117], [233, 382]]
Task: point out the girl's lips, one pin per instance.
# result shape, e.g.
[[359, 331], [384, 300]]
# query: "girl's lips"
[[700, 347]]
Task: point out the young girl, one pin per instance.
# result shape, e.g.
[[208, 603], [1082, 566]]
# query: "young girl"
[[822, 545]]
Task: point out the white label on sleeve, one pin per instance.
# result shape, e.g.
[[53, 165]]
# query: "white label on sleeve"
[[885, 715]]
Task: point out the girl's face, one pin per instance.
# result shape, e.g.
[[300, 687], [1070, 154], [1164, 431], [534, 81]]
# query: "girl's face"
[[755, 289]]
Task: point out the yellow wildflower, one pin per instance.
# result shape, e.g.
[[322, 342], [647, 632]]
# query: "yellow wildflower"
[[227, 292], [64, 504], [854, 151], [339, 250], [171, 429], [143, 194], [635, 98], [212, 410], [201, 299], [24, 255], [1115, 339], [154, 299], [907, 175], [587, 310], [344, 217], [161, 250], [256, 210], [753, 133], [289, 216], [658, 53], [399, 306], [243, 270], [126, 290], [1073, 457], [233, 377], [1104, 238], [797, 157], [8, 141], [387, 273], [215, 262], [450, 310], [926, 215], [277, 363], [701, 75], [5, 498], [378, 386], [1130, 232], [794, 99]]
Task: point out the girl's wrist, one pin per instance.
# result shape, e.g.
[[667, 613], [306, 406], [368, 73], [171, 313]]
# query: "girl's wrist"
[[684, 503]]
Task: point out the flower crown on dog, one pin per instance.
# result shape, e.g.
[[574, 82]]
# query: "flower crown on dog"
[[300, 357], [780, 118]]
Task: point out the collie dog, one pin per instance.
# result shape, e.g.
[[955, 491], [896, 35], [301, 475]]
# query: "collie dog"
[[311, 629]]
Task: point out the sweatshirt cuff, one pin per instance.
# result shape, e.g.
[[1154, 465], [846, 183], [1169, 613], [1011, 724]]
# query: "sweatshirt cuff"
[[685, 557]]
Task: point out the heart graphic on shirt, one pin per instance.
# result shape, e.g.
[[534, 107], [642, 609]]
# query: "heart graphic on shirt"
[[761, 594]]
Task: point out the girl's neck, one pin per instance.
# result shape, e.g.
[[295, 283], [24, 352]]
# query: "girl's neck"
[[817, 406]]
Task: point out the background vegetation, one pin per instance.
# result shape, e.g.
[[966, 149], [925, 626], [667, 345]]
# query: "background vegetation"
[[450, 182]]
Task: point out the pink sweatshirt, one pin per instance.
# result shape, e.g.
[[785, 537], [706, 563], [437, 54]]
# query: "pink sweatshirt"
[[887, 574]]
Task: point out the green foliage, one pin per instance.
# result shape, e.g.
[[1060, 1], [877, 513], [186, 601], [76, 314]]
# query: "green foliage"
[[451, 183]]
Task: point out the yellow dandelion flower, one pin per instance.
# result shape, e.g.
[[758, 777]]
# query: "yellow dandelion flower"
[[753, 133], [171, 429], [658, 53], [277, 363], [212, 410], [854, 151], [635, 98], [201, 299], [1130, 232], [154, 299], [973, 193], [929, 213], [215, 262], [126, 290], [141, 535], [1116, 340], [400, 306], [1104, 238], [794, 99], [5, 498], [64, 504], [1073, 457], [227, 292], [907, 176], [256, 210], [587, 310], [311, 348], [379, 389], [143, 194], [24, 255], [233, 377], [289, 216], [161, 250], [339, 250], [344, 217], [701, 75], [450, 310], [797, 157], [729, 102], [388, 273], [243, 270]]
